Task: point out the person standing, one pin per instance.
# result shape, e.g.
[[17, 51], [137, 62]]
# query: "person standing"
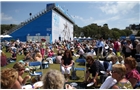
[[137, 46], [43, 47], [129, 48], [100, 48]]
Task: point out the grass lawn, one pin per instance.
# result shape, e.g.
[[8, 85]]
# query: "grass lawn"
[[80, 74]]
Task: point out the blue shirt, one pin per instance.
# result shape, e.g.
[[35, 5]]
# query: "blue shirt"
[[110, 66], [100, 44]]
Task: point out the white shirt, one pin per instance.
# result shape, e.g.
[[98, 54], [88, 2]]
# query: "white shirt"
[[108, 83], [81, 51], [128, 50]]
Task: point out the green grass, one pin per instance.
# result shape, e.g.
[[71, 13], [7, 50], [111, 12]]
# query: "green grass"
[[80, 74]]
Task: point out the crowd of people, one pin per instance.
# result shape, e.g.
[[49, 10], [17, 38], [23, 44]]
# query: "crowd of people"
[[113, 61]]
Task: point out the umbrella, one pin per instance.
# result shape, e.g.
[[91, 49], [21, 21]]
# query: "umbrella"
[[2, 36], [7, 36]]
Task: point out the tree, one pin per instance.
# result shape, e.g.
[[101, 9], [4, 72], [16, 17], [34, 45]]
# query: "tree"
[[6, 27], [122, 33], [138, 34], [133, 27], [128, 32], [115, 34], [105, 31]]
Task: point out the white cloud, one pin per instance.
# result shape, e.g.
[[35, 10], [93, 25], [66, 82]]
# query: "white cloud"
[[16, 11], [114, 18], [87, 21], [84, 20], [132, 20], [5, 17], [118, 7]]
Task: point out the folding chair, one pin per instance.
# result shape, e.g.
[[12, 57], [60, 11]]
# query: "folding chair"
[[77, 68], [34, 65]]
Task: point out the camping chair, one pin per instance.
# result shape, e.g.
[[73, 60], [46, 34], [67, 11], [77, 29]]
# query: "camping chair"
[[77, 68], [34, 66]]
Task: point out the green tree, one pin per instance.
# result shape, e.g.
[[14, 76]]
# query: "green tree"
[[105, 31], [128, 32], [6, 27], [138, 34]]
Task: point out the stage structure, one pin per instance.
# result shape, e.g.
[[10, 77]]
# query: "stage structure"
[[53, 23]]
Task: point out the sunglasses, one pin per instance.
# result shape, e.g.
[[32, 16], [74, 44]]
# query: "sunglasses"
[[113, 71], [21, 69]]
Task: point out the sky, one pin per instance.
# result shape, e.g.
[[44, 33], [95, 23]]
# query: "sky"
[[116, 14]]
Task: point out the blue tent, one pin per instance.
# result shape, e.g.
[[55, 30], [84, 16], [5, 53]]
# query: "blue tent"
[[132, 37]]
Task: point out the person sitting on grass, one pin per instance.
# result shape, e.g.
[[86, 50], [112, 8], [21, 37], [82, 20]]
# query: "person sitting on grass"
[[59, 57], [50, 53], [118, 73], [54, 79], [94, 67], [109, 81], [114, 60], [66, 64], [13, 56], [28, 57], [3, 59], [9, 77], [20, 67], [109, 55], [132, 74], [38, 56], [121, 59]]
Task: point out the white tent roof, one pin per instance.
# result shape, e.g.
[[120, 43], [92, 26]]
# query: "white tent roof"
[[1, 35], [5, 36]]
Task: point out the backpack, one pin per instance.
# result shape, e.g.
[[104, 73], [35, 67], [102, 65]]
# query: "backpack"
[[73, 74]]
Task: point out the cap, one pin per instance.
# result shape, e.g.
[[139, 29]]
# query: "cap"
[[136, 40], [111, 49]]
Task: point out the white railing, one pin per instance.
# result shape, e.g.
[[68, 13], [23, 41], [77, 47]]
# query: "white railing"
[[27, 21]]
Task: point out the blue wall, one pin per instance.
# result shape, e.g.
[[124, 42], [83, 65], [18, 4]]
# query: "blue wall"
[[39, 25]]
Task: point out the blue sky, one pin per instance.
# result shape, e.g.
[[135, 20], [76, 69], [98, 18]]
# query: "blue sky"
[[115, 14]]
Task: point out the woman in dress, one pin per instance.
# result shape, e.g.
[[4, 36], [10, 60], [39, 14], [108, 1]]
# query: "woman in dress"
[[43, 47]]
